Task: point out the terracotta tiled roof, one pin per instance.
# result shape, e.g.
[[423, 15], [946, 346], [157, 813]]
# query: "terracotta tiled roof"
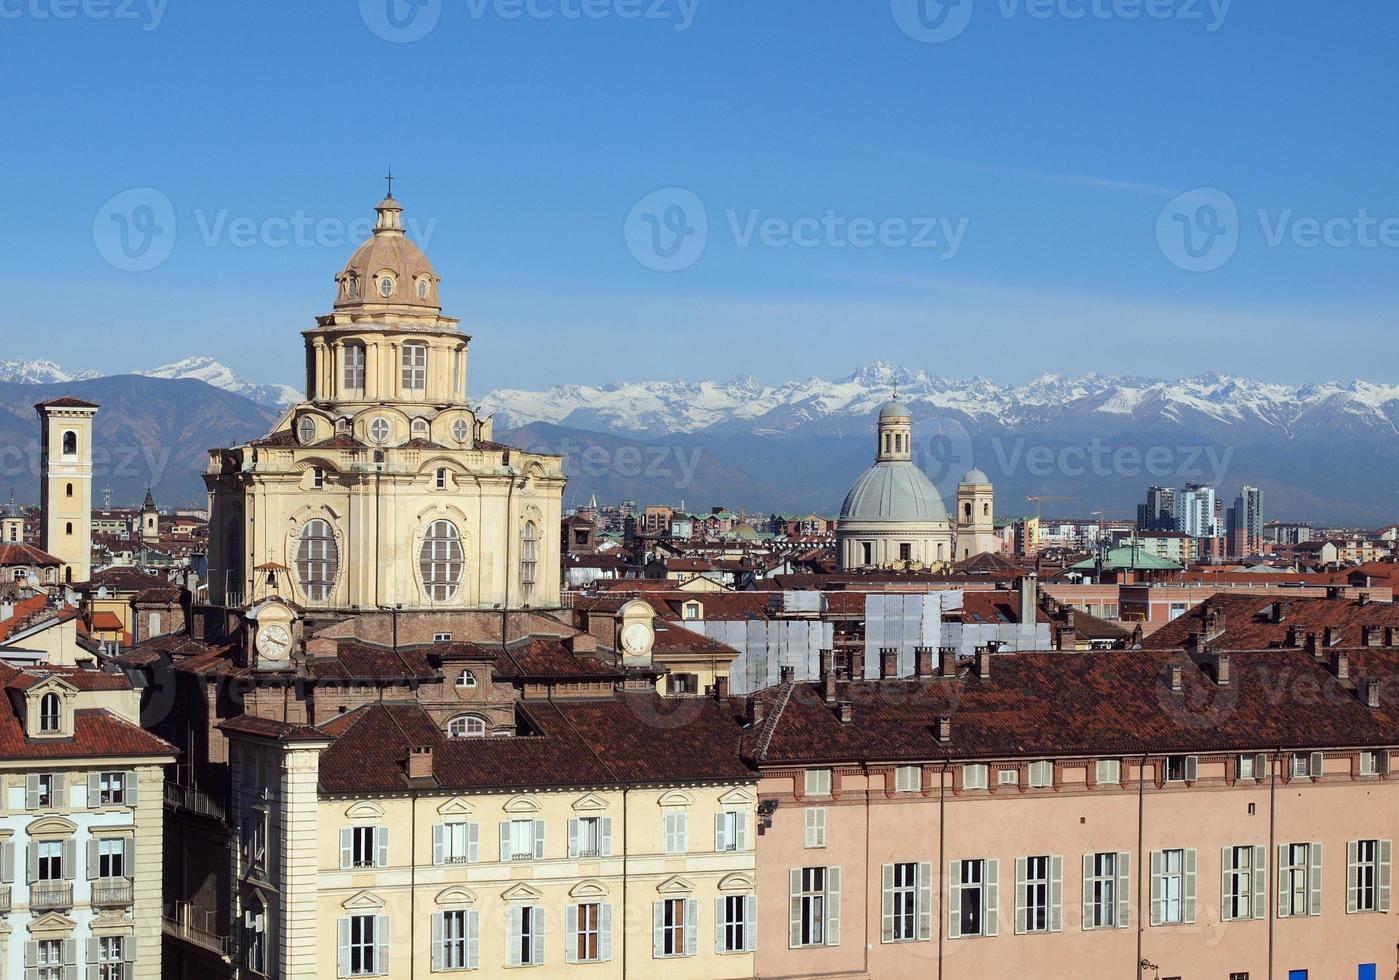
[[66, 401], [14, 555], [23, 678], [267, 728], [96, 732], [24, 611], [547, 657], [365, 661], [1247, 623], [674, 639]]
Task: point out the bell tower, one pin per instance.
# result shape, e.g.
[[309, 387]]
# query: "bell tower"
[[65, 484], [895, 433]]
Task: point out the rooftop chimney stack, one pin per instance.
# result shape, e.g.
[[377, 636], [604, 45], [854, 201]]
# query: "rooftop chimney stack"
[[787, 674], [1176, 679], [1391, 635], [1294, 637], [420, 762], [947, 661], [1370, 688], [983, 663], [1340, 666], [755, 712], [721, 688], [944, 730], [888, 663], [923, 662], [1222, 671], [857, 665], [846, 713], [1370, 636], [1029, 597], [1333, 635]]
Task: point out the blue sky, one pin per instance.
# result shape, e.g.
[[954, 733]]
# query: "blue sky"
[[1034, 157]]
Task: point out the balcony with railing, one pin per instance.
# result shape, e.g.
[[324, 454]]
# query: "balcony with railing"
[[181, 921], [50, 896], [196, 801], [108, 893], [4, 899]]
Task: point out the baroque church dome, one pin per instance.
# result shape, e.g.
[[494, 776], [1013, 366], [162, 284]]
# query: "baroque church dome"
[[388, 272], [895, 490]]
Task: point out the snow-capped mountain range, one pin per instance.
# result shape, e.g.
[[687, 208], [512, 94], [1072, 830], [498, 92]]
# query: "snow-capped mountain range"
[[205, 369]]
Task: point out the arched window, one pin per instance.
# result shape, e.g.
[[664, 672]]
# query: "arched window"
[[442, 561], [420, 429], [317, 561], [466, 679], [386, 286], [422, 288], [414, 367], [898, 442], [352, 287], [70, 489], [50, 717], [70, 444], [68, 528], [354, 367], [985, 510], [967, 511], [466, 726], [529, 557]]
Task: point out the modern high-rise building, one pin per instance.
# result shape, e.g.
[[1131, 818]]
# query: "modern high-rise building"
[[1196, 511], [1245, 522], [1158, 513]]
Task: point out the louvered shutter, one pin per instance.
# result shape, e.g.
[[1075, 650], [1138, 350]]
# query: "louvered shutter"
[[33, 863], [925, 901], [60, 791], [604, 936], [7, 862], [128, 857], [954, 902], [721, 837], [70, 959], [438, 949], [794, 908], [691, 926], [993, 898], [514, 935], [1056, 893], [94, 790], [537, 936], [1124, 889], [381, 944], [886, 934], [1260, 883], [1284, 866], [1088, 891], [741, 831], [570, 951], [832, 906], [128, 949], [31, 791], [381, 847], [720, 910], [92, 861], [1022, 912], [70, 859], [1315, 765], [439, 844], [1157, 911], [573, 848], [1385, 874], [473, 940], [750, 923], [132, 789], [473, 843], [1226, 883], [605, 837], [505, 844], [539, 840], [347, 847], [658, 930], [31, 954], [1314, 878], [1192, 768], [1352, 876], [1260, 766], [343, 946], [1188, 885]]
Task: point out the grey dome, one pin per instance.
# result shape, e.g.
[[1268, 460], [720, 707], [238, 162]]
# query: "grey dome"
[[894, 410], [893, 491], [975, 477]]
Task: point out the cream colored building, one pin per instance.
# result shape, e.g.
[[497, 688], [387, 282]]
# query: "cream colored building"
[[383, 489], [65, 484], [373, 846], [81, 811], [976, 516]]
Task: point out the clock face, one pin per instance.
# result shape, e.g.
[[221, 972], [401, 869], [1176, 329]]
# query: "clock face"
[[274, 642], [636, 640]]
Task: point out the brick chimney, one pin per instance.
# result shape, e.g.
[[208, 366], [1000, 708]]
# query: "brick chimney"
[[1310, 644], [1294, 637], [1222, 672], [786, 675], [857, 665], [888, 663], [1278, 611], [1391, 636], [1370, 636], [1340, 665], [721, 688], [420, 762], [947, 661], [944, 730], [1070, 614], [983, 663], [923, 662], [582, 645], [1175, 678], [1370, 691], [845, 713]]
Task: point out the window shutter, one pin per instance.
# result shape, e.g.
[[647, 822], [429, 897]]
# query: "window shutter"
[[1124, 889], [1088, 891], [719, 912], [604, 936], [92, 861], [31, 791], [993, 898], [1021, 910], [381, 944], [539, 840], [1188, 886], [505, 844], [128, 949], [381, 847], [437, 947], [347, 847], [70, 859], [691, 926], [439, 845], [1314, 766], [93, 949], [7, 862], [794, 908], [343, 945], [925, 901], [1260, 883], [721, 839], [1156, 911], [1192, 768], [570, 950], [1260, 765], [954, 902], [1226, 882], [1314, 878], [94, 789], [658, 928], [537, 946], [473, 842], [832, 906], [473, 939], [1352, 877], [886, 934], [605, 841], [1056, 893], [131, 788], [573, 847], [1385, 874], [515, 934], [741, 831], [33, 862], [60, 790], [1284, 906], [750, 923]]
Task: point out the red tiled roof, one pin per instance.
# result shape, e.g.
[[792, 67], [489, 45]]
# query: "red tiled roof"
[[66, 401], [16, 554], [543, 657], [105, 621], [1247, 623], [25, 610], [96, 732]]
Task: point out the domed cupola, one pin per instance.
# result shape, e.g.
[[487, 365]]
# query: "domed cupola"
[[388, 274]]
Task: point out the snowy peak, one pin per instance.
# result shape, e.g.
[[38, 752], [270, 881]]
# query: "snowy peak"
[[39, 372], [211, 372]]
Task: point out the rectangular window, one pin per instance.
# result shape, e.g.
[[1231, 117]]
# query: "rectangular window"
[[1370, 763], [1300, 765], [1109, 772], [1299, 879], [905, 551], [364, 946], [1100, 894], [1181, 768], [1245, 767], [111, 958], [738, 923], [903, 901], [587, 932], [45, 793], [454, 941], [815, 821], [49, 857], [1242, 887], [111, 857], [456, 842], [673, 939], [354, 367], [1036, 898], [818, 782], [1041, 775], [969, 884], [521, 840], [588, 841], [111, 789], [1008, 777], [1368, 875], [676, 831], [974, 776], [526, 937], [1170, 886], [414, 367], [729, 831], [811, 901], [362, 847], [48, 959], [908, 779]]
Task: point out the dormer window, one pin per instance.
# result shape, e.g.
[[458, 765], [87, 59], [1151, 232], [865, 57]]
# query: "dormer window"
[[50, 714], [422, 288], [386, 286], [466, 680], [693, 610], [420, 429], [352, 287]]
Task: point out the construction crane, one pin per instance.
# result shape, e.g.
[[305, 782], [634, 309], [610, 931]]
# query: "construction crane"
[[1040, 499]]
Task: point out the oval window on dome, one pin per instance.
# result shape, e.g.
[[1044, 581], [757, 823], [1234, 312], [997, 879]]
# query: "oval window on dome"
[[352, 287], [442, 561], [380, 430], [422, 288], [386, 286]]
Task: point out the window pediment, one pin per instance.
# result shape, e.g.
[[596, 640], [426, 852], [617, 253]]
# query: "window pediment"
[[522, 804], [365, 811], [456, 807], [737, 882], [739, 796], [52, 926], [456, 896], [591, 803], [588, 889], [364, 900], [676, 798], [676, 885], [50, 827], [522, 893]]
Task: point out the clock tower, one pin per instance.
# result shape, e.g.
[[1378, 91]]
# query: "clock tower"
[[273, 636]]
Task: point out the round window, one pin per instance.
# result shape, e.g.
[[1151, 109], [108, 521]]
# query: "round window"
[[307, 431], [379, 430], [386, 287]]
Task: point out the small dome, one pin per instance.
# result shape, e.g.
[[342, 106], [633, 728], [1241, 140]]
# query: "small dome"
[[388, 271], [893, 491], [894, 409], [975, 477]]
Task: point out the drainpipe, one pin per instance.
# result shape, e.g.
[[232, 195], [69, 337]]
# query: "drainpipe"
[[625, 963], [942, 856], [413, 886], [509, 522], [1272, 845], [1141, 832]]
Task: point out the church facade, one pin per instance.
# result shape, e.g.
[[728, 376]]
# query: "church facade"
[[384, 489]]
